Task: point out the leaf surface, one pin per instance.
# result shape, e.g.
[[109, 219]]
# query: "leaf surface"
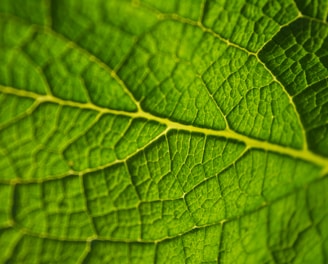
[[163, 131]]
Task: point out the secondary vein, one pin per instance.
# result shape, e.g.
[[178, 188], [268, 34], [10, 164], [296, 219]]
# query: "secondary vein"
[[250, 143]]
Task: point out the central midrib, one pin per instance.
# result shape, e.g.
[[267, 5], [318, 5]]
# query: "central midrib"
[[250, 143]]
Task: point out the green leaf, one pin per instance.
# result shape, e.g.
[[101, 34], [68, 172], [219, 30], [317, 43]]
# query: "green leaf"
[[163, 131]]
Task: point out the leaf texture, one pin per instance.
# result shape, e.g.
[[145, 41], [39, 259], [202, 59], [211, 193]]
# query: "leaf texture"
[[163, 131]]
